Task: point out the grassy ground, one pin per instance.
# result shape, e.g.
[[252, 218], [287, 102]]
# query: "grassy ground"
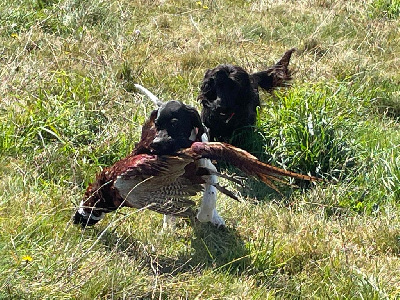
[[68, 108]]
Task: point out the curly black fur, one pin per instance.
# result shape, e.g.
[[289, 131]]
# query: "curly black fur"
[[229, 96]]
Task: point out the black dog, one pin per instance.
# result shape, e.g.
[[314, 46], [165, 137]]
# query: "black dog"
[[229, 96], [178, 126]]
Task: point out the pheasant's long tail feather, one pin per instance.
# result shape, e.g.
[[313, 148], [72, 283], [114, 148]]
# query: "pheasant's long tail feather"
[[227, 192], [244, 161], [228, 177]]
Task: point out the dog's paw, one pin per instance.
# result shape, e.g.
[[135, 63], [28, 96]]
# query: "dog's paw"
[[210, 216], [217, 220], [204, 215]]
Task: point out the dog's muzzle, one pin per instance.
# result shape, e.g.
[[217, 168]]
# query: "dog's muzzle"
[[164, 144]]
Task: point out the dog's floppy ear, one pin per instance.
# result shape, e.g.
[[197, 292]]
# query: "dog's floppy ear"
[[196, 122], [207, 75], [274, 76]]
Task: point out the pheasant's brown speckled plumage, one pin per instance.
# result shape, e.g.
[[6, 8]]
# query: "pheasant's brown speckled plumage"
[[159, 183]]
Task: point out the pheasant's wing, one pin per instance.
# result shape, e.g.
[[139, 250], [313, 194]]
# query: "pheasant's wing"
[[244, 161], [157, 184]]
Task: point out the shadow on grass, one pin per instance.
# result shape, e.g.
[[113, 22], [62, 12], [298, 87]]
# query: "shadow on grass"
[[221, 249]]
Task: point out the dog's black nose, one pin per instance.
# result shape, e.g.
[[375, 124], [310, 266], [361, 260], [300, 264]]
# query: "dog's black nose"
[[162, 143], [158, 147]]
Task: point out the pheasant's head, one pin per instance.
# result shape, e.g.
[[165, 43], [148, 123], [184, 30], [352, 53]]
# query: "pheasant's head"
[[88, 212], [99, 199]]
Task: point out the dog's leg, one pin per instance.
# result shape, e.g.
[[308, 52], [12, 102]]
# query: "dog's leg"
[[207, 211]]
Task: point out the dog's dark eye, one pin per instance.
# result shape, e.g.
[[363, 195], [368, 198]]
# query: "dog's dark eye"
[[209, 84]]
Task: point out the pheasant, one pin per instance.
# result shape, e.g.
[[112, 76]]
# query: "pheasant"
[[166, 183]]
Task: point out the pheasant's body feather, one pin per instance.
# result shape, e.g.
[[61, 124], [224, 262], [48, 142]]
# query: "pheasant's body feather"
[[166, 192]]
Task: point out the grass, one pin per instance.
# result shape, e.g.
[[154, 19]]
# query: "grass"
[[68, 108]]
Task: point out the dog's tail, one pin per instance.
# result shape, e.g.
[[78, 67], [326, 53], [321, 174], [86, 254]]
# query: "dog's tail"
[[276, 76], [149, 94]]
